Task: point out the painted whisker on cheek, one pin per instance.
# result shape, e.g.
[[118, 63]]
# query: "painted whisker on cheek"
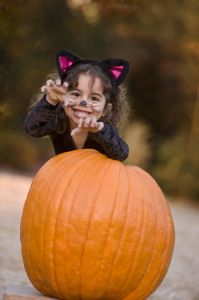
[[71, 102], [96, 107], [68, 101]]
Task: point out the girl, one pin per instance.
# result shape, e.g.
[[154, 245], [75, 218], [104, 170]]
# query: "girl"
[[83, 108]]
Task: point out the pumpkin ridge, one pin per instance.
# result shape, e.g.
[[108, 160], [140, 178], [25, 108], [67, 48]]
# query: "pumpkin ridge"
[[36, 203], [60, 204], [156, 274], [55, 281], [154, 240], [42, 183], [155, 222], [59, 169], [132, 264], [66, 157], [74, 202], [122, 233], [30, 224], [63, 158], [105, 243], [168, 241], [135, 229], [43, 227], [163, 268], [129, 250], [86, 236], [107, 235], [153, 244], [163, 257], [162, 204]]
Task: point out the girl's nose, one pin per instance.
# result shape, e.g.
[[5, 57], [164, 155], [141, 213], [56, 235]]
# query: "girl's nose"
[[83, 103]]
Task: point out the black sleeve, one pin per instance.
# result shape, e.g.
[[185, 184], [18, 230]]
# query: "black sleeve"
[[40, 121], [110, 141]]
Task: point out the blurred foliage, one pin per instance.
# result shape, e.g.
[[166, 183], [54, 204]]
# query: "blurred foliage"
[[21, 152], [137, 136], [178, 169], [160, 39]]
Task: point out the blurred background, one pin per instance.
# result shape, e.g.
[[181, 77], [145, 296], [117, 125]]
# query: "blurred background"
[[160, 39]]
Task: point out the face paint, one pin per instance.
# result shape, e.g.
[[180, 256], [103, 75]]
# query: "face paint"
[[69, 101], [96, 106], [92, 94]]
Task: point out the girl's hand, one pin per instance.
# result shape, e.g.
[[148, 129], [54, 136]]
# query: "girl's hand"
[[88, 124], [56, 93]]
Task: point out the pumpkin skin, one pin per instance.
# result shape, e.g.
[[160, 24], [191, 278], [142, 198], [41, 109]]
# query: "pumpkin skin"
[[93, 228]]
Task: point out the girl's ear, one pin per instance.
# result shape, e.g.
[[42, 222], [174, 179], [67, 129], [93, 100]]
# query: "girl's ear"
[[64, 60], [117, 67]]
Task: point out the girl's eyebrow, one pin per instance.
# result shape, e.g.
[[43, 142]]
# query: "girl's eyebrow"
[[92, 93], [97, 94], [75, 89]]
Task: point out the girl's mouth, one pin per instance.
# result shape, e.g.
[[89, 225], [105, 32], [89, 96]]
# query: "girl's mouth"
[[81, 112]]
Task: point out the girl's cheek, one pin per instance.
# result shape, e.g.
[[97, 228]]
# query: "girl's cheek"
[[69, 112], [98, 107], [66, 109]]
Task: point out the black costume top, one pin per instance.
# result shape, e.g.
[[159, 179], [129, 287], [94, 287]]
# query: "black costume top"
[[41, 121]]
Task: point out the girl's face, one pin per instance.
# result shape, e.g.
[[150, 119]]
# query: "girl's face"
[[89, 99]]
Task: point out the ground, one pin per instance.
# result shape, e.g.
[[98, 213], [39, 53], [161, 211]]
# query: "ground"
[[180, 283]]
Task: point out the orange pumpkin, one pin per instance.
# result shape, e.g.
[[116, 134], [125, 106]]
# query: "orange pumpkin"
[[93, 228]]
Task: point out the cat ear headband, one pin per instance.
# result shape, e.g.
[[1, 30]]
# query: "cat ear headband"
[[116, 68]]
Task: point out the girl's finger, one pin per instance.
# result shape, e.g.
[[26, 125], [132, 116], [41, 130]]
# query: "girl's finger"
[[65, 85], [58, 82], [93, 121], [100, 126], [53, 96], [43, 89], [75, 131], [50, 82], [80, 123], [62, 99], [58, 89], [87, 121]]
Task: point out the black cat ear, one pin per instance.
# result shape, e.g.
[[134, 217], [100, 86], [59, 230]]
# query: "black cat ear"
[[65, 60], [119, 68]]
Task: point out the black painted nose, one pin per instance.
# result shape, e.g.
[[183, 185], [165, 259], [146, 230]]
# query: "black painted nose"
[[83, 103]]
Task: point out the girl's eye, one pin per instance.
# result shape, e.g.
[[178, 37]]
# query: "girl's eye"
[[95, 98], [75, 94]]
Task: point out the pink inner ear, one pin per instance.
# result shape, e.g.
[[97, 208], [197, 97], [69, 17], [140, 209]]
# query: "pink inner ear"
[[116, 71], [65, 62]]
